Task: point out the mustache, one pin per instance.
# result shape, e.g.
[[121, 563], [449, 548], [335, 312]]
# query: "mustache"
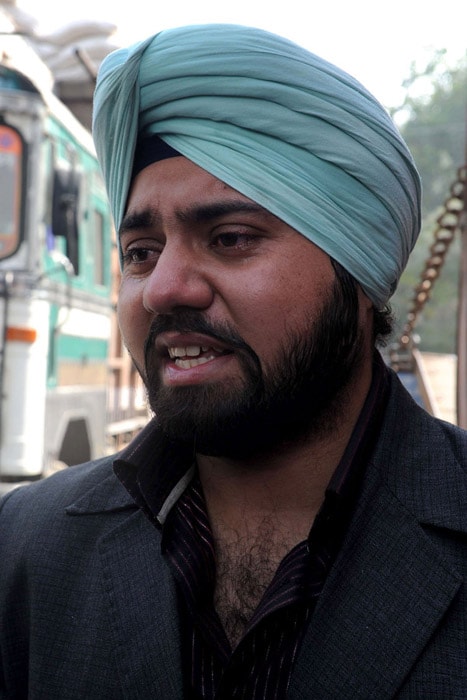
[[190, 321]]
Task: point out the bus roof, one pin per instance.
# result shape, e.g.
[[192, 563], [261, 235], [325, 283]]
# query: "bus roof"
[[17, 55]]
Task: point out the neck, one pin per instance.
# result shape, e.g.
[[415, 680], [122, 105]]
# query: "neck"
[[286, 484]]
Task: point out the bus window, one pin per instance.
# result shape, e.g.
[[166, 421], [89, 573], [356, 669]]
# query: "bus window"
[[99, 247], [65, 210], [11, 156]]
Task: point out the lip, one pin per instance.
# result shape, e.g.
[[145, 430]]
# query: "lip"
[[211, 371]]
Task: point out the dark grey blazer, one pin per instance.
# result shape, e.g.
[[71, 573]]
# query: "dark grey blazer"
[[88, 610]]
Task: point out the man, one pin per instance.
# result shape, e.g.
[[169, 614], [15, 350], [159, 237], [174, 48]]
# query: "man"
[[290, 524]]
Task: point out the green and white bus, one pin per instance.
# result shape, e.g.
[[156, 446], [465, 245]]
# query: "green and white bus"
[[55, 278]]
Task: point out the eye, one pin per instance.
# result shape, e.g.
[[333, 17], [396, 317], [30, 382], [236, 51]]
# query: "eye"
[[234, 240], [140, 256]]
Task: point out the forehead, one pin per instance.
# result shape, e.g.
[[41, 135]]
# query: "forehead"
[[175, 177], [178, 189]]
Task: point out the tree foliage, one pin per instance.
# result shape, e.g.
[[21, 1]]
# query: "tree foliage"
[[433, 120]]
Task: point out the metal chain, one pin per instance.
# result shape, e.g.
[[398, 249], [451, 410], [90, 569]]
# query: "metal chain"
[[400, 354]]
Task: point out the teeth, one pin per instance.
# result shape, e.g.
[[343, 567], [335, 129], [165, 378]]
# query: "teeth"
[[189, 351], [188, 364], [192, 351]]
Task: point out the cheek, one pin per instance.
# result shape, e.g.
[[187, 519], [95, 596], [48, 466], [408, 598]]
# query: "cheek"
[[263, 314], [286, 316], [279, 299], [133, 319]]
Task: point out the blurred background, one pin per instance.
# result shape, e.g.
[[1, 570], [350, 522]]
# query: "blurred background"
[[68, 391]]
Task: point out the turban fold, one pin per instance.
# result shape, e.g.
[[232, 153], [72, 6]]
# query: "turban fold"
[[282, 126]]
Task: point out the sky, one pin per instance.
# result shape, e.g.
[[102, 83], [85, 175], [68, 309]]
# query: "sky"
[[374, 41]]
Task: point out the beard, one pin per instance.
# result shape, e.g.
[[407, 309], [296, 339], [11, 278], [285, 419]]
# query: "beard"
[[299, 396]]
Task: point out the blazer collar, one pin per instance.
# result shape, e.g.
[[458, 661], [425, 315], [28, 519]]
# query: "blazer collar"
[[108, 495], [150, 458], [414, 457]]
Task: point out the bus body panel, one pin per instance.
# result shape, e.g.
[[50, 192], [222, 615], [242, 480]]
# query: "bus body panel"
[[55, 282]]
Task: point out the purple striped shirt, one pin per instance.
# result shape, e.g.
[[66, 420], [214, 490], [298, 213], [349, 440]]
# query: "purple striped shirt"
[[260, 667]]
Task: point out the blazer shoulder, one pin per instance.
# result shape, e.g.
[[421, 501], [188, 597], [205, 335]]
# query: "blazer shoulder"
[[407, 426], [40, 503], [41, 533], [457, 438], [422, 460]]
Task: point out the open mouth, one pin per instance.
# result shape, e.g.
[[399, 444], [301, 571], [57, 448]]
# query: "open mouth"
[[190, 356]]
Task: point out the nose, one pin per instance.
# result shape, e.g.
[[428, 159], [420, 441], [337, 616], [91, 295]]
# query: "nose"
[[177, 280]]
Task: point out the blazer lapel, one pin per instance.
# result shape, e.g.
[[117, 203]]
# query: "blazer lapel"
[[383, 600], [392, 582], [139, 595], [143, 611]]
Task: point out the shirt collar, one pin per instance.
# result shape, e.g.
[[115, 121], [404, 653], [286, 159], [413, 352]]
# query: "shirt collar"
[[155, 471]]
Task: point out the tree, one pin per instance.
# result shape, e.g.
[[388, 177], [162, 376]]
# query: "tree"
[[433, 123]]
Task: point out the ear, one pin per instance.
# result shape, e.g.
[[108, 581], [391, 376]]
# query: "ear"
[[364, 302], [366, 314]]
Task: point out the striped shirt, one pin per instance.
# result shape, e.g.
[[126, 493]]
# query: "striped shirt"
[[260, 667]]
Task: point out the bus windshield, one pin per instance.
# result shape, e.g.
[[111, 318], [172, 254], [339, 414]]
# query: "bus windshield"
[[11, 156]]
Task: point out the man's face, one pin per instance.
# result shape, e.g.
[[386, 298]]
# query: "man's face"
[[234, 320]]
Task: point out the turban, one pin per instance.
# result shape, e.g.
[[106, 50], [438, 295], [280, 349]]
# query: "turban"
[[279, 124]]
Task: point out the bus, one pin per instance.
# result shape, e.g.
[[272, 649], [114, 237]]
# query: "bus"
[[56, 307]]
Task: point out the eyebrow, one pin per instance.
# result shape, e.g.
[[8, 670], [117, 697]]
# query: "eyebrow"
[[198, 213]]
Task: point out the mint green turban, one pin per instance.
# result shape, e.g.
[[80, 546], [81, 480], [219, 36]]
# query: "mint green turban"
[[275, 122]]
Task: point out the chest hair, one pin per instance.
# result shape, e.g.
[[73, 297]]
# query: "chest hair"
[[245, 566]]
